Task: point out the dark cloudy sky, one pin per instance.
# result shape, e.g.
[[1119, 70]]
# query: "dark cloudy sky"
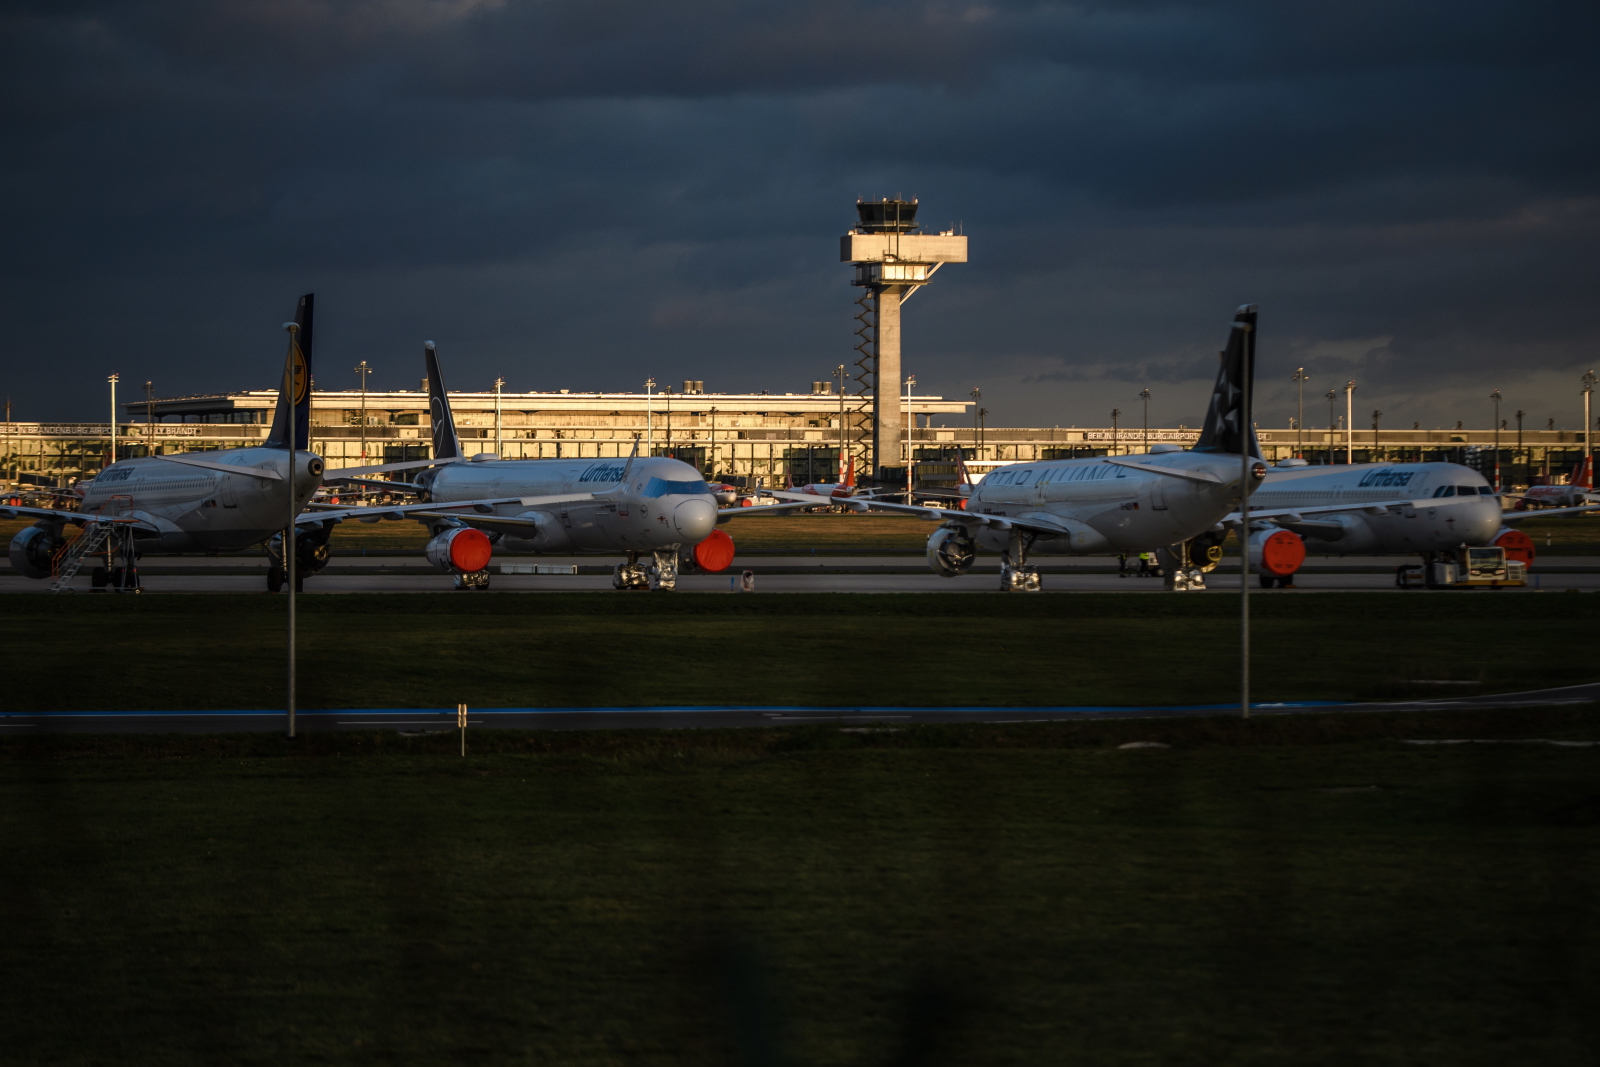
[[584, 194]]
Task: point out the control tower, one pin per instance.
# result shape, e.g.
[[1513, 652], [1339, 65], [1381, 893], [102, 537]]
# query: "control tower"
[[892, 260]]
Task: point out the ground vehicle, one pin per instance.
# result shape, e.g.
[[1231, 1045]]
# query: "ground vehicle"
[[1462, 568]]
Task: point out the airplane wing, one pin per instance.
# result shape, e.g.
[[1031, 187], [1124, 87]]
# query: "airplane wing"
[[384, 468], [398, 487], [481, 508], [765, 509], [1037, 523], [1511, 518], [1294, 515], [85, 517], [1171, 472], [226, 468]]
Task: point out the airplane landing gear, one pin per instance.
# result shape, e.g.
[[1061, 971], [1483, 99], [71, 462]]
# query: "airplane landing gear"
[[664, 575], [1182, 576], [1018, 577], [630, 575], [473, 580]]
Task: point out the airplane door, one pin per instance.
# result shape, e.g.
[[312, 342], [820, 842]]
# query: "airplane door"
[[1158, 495], [229, 499]]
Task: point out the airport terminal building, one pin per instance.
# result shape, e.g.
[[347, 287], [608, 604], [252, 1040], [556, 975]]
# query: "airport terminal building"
[[749, 438]]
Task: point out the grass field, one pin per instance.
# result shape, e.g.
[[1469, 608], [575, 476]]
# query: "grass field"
[[1305, 891], [574, 649]]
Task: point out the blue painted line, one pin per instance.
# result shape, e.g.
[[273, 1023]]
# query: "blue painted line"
[[669, 709]]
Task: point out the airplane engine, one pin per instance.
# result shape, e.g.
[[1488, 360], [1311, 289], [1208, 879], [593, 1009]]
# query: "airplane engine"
[[1205, 551], [33, 548], [715, 554], [461, 550], [1276, 555], [951, 550], [1517, 544]]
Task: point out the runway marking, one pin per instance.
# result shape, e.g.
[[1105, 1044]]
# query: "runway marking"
[[1507, 741]]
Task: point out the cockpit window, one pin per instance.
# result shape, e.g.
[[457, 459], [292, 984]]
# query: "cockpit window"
[[661, 487], [1483, 490], [1445, 490], [1469, 490]]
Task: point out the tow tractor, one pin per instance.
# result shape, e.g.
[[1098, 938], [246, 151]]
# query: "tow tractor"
[[1464, 568]]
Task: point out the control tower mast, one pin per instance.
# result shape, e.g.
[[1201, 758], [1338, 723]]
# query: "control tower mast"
[[892, 261]]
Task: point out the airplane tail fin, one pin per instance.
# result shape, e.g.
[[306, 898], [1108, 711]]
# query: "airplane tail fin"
[[296, 380], [446, 444], [1583, 478], [961, 465], [850, 475], [1228, 427]]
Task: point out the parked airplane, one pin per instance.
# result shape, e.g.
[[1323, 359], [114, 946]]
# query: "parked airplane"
[[1377, 509], [838, 491], [229, 499], [644, 506], [1134, 503], [1578, 492]]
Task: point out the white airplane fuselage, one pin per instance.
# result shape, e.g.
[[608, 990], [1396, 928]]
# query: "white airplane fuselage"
[[1455, 506], [1107, 506], [665, 503], [200, 509]]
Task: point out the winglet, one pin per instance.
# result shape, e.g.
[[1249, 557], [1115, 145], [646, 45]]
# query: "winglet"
[[628, 469]]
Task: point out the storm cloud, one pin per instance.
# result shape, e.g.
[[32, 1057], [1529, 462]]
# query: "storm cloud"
[[581, 195]]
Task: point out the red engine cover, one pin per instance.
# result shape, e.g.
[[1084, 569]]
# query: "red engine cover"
[[470, 550], [715, 553], [1517, 544], [1282, 553]]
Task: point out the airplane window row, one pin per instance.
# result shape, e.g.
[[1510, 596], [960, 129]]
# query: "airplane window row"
[[1464, 490]]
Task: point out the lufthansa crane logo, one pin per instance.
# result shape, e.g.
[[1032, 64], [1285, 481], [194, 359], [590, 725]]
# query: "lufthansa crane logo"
[[301, 381]]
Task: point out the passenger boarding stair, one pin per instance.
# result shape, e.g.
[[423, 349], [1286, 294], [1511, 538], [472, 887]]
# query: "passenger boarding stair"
[[71, 555]]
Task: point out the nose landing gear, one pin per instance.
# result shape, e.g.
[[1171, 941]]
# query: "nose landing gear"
[[1015, 575], [630, 575]]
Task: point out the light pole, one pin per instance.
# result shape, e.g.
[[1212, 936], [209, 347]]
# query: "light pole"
[[291, 392], [1496, 398], [1377, 453], [1524, 460], [1246, 423], [977, 422], [982, 414], [499, 447], [1144, 394], [1333, 397], [843, 457], [363, 370], [112, 457], [1115, 414], [1299, 378], [649, 424], [911, 379], [1349, 422], [149, 402], [1588, 427]]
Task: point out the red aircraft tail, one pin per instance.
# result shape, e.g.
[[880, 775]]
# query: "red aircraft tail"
[[1583, 478]]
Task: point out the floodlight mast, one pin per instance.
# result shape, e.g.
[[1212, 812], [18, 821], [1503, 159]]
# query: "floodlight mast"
[[892, 261]]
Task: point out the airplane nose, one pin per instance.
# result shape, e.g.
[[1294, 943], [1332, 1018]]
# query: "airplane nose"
[[695, 519]]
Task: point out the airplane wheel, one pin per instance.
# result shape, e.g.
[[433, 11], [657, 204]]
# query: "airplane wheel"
[[299, 582], [1267, 580], [99, 576], [275, 576]]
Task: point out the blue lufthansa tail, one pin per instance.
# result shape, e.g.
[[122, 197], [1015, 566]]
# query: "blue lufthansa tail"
[[296, 376], [446, 444]]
